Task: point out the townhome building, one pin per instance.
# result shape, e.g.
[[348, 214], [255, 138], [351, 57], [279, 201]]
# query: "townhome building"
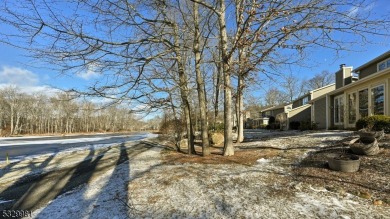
[[359, 93]]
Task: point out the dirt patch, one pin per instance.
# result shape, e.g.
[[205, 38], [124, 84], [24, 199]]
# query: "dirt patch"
[[371, 182], [247, 157], [308, 164]]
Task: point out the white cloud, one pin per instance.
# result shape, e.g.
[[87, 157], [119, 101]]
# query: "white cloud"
[[24, 80], [352, 12], [17, 77], [89, 73]]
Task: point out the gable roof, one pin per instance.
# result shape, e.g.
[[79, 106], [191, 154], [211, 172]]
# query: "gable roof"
[[360, 81], [275, 107], [377, 59]]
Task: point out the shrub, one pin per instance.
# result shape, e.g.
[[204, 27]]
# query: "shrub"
[[305, 125], [263, 126], [376, 123], [295, 125], [219, 127], [271, 120]]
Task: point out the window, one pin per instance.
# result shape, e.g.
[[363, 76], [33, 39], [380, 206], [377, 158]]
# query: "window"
[[377, 100], [352, 108], [338, 110], [363, 103], [305, 100], [383, 65]]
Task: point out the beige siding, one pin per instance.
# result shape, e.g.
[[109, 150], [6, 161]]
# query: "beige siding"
[[299, 102], [339, 78], [302, 113], [320, 112], [388, 97], [321, 92], [371, 69], [277, 111], [384, 79]]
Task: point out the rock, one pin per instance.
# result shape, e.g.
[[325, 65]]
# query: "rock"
[[217, 138], [366, 146], [364, 194], [183, 143]]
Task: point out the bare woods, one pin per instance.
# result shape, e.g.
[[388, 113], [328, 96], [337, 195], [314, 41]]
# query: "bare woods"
[[37, 113]]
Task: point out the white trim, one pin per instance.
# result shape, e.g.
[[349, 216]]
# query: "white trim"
[[327, 108], [326, 86], [386, 62], [334, 112], [356, 108], [356, 83], [312, 113]]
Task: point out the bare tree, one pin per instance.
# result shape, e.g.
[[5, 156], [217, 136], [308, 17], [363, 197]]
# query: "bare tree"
[[292, 86], [122, 40], [275, 97], [320, 80], [200, 84]]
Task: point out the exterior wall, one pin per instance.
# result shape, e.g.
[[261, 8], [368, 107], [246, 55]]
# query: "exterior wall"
[[277, 111], [388, 97], [302, 113], [385, 80], [299, 102], [321, 92], [331, 111], [319, 108], [343, 76], [347, 75], [339, 78], [369, 70]]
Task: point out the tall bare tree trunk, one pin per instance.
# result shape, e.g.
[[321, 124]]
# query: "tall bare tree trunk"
[[240, 106], [184, 93], [12, 120], [200, 86], [217, 60], [228, 149]]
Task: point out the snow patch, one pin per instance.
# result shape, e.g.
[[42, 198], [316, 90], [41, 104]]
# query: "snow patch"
[[263, 161]]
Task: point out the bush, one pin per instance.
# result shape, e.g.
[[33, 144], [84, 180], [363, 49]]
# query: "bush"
[[295, 125], [263, 126], [376, 123], [305, 125], [219, 127], [271, 120]]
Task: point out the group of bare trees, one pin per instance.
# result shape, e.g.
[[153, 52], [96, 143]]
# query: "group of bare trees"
[[290, 87], [187, 56], [37, 113]]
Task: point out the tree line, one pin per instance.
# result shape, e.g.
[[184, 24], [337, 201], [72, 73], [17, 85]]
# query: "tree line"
[[194, 58], [37, 113]]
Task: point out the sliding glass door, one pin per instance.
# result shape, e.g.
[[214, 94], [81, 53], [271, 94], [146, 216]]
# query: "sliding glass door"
[[377, 100], [338, 110], [352, 108], [363, 103]]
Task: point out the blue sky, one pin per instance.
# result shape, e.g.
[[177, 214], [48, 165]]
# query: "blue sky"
[[16, 68]]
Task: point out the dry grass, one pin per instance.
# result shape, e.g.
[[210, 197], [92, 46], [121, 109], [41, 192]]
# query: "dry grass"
[[372, 181]]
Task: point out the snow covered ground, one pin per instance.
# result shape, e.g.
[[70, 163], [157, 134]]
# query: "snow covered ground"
[[84, 143], [146, 187]]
